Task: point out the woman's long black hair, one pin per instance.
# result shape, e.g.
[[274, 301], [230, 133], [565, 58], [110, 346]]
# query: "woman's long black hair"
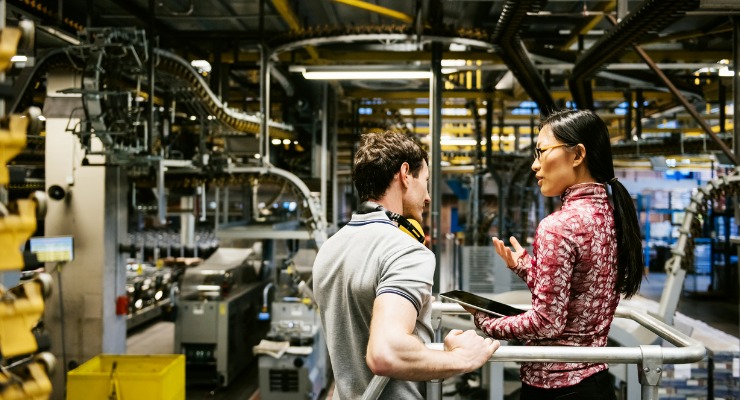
[[587, 128]]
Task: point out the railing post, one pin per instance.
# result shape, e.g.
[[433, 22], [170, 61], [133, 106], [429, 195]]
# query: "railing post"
[[434, 389], [375, 388], [650, 370], [437, 324]]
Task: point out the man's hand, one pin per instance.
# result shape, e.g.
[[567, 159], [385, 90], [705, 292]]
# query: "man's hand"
[[470, 347], [510, 258]]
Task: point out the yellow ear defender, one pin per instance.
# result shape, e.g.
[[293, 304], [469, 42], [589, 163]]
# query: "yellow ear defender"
[[410, 226], [417, 227]]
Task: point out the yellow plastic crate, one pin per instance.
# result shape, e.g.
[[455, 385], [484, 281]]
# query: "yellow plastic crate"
[[156, 377]]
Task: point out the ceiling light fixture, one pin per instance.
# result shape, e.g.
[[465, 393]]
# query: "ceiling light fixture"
[[363, 72], [201, 66], [726, 71], [366, 75]]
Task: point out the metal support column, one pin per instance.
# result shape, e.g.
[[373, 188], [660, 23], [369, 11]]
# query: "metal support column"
[[736, 84], [225, 219], [435, 129], [202, 210], [216, 200], [95, 213], [335, 206], [628, 117], [722, 100], [264, 104], [323, 156], [161, 194], [151, 39], [736, 100], [639, 112]]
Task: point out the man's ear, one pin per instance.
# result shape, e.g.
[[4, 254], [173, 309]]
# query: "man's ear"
[[580, 154], [403, 173]]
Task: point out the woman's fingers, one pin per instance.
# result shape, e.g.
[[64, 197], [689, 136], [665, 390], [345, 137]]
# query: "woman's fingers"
[[515, 244]]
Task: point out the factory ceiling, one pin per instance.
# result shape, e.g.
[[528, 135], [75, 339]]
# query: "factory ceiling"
[[511, 61]]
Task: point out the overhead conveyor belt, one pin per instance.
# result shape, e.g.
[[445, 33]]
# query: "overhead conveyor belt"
[[239, 121], [174, 75]]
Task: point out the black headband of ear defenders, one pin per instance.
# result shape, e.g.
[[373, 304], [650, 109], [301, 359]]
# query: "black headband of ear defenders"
[[369, 206]]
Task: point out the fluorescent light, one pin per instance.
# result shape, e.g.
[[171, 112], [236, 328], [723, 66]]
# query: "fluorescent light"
[[453, 63], [453, 141], [725, 71], [366, 75], [18, 59], [455, 112], [201, 65]]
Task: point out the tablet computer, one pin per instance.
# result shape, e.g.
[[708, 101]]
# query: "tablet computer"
[[481, 303]]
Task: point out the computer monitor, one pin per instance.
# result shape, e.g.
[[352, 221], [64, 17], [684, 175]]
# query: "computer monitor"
[[53, 249]]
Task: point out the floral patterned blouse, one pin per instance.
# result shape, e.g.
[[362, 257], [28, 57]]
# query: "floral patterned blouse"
[[572, 276]]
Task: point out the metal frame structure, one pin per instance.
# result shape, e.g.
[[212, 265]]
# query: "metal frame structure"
[[649, 358]]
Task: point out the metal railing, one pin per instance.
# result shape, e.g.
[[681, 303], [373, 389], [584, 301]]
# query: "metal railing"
[[649, 358]]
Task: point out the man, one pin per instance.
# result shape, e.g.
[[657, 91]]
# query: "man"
[[373, 283]]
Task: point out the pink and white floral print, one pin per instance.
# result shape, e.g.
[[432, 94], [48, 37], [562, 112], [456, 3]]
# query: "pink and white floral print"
[[572, 276]]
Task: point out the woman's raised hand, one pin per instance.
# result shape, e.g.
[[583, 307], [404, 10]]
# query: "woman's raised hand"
[[510, 257]]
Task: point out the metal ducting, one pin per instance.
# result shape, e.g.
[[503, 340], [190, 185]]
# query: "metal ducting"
[[652, 16], [509, 46]]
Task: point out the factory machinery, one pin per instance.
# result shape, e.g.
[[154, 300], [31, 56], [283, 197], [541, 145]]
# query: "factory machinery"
[[195, 179], [25, 364], [185, 151], [154, 270], [217, 318], [300, 368]]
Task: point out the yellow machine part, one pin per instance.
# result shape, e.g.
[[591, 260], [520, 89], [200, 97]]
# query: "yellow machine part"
[[12, 141], [34, 386], [9, 38], [15, 229], [18, 317]]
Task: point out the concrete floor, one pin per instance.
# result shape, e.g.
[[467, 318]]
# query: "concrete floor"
[[717, 312]]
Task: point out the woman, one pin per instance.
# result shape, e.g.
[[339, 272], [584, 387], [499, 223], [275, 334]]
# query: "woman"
[[585, 256]]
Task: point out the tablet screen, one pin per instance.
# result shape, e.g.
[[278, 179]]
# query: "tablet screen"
[[53, 249], [481, 303]]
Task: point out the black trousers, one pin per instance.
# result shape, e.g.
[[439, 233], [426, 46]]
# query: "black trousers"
[[598, 386]]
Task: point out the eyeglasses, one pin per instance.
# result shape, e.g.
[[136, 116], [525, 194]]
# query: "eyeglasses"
[[539, 150]]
